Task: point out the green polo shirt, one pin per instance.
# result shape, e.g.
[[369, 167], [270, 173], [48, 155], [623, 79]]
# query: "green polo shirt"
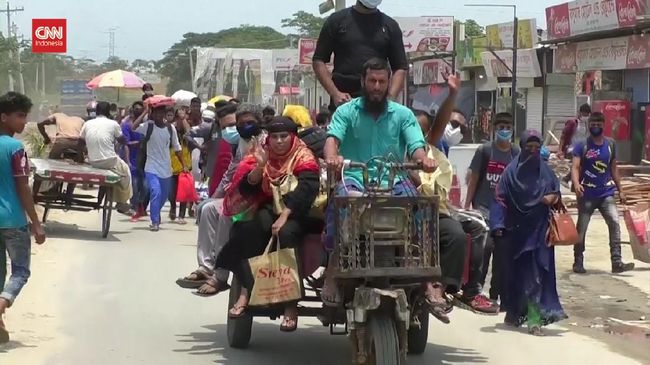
[[394, 135]]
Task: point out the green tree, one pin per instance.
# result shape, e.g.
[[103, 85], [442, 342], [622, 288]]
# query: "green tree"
[[472, 28], [307, 25], [175, 64]]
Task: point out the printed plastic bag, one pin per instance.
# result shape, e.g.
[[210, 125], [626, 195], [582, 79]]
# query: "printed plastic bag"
[[201, 190], [186, 192], [637, 220], [276, 277]]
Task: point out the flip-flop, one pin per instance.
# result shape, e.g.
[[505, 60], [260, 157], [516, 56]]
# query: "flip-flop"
[[220, 286], [438, 310], [285, 328], [187, 283], [244, 308]]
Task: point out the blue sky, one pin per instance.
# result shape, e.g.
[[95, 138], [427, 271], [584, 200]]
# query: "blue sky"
[[147, 28]]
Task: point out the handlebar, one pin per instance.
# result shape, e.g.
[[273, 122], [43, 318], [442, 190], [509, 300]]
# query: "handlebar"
[[390, 165]]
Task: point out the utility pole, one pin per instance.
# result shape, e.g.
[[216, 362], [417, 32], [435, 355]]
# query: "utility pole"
[[9, 10], [111, 42], [21, 81]]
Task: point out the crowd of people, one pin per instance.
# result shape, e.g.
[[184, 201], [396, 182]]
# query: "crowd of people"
[[245, 151]]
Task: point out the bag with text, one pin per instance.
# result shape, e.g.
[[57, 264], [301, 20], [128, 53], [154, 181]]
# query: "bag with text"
[[276, 278], [637, 220]]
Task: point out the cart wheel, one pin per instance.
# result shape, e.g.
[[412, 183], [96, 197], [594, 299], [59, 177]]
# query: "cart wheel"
[[384, 343], [239, 329], [107, 212], [418, 337]]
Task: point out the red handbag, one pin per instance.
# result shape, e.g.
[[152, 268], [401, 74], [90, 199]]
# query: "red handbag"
[[562, 231]]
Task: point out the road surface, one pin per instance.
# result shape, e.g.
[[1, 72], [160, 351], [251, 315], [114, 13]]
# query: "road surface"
[[114, 301]]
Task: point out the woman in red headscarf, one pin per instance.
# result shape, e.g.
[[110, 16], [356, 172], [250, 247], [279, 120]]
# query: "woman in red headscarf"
[[250, 201]]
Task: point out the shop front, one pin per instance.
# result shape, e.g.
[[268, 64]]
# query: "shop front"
[[604, 46]]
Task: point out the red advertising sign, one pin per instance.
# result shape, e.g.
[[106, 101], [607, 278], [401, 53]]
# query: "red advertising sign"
[[307, 48], [49, 36], [617, 117], [587, 16], [638, 52], [557, 20], [627, 12]]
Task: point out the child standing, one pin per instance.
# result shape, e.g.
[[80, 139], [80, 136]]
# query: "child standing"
[[159, 137], [15, 201], [182, 126]]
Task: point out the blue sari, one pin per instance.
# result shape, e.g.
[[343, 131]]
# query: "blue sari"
[[529, 267]]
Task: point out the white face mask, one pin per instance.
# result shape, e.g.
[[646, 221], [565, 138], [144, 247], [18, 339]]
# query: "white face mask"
[[370, 4], [452, 136]]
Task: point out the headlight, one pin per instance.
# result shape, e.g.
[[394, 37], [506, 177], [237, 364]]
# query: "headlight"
[[385, 220]]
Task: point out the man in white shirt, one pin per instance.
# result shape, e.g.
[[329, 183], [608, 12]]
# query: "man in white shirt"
[[159, 138], [100, 135]]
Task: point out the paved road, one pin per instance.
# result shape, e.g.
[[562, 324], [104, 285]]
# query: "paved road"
[[114, 301]]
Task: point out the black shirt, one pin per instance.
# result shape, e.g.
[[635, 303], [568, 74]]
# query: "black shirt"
[[354, 38]]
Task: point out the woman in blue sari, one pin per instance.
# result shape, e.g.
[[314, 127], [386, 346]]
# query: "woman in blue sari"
[[519, 219]]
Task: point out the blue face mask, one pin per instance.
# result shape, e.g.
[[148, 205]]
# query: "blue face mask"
[[230, 135], [504, 134], [596, 131]]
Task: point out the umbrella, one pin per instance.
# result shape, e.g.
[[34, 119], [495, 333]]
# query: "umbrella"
[[118, 79], [183, 97], [219, 98]]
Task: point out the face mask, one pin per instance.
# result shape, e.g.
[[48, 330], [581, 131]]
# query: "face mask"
[[92, 114], [370, 4], [504, 135], [452, 136], [596, 131], [230, 135]]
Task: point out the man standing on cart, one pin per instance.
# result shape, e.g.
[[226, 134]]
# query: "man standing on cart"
[[355, 35]]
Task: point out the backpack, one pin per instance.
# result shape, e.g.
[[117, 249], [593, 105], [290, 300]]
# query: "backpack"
[[141, 160]]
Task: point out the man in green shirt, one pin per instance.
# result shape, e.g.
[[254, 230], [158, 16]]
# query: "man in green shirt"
[[372, 126]]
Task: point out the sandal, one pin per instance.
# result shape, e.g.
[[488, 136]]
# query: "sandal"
[[193, 280], [536, 331], [181, 221], [241, 309], [289, 324], [211, 287]]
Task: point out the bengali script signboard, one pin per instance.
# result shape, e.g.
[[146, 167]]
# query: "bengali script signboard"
[[587, 16], [631, 52]]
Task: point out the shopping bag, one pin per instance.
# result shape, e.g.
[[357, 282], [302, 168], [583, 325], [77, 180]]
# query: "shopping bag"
[[186, 193], [562, 230], [275, 276], [637, 220], [201, 190]]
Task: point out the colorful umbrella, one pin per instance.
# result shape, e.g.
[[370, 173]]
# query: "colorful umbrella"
[[117, 79]]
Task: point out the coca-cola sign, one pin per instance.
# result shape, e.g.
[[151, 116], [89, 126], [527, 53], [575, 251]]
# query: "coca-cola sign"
[[565, 59], [587, 16], [616, 107], [638, 52], [557, 20]]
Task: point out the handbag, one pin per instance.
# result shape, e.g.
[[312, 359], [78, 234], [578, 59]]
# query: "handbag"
[[276, 277], [562, 231]]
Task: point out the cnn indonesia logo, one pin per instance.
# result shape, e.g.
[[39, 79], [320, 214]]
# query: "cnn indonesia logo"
[[49, 36]]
